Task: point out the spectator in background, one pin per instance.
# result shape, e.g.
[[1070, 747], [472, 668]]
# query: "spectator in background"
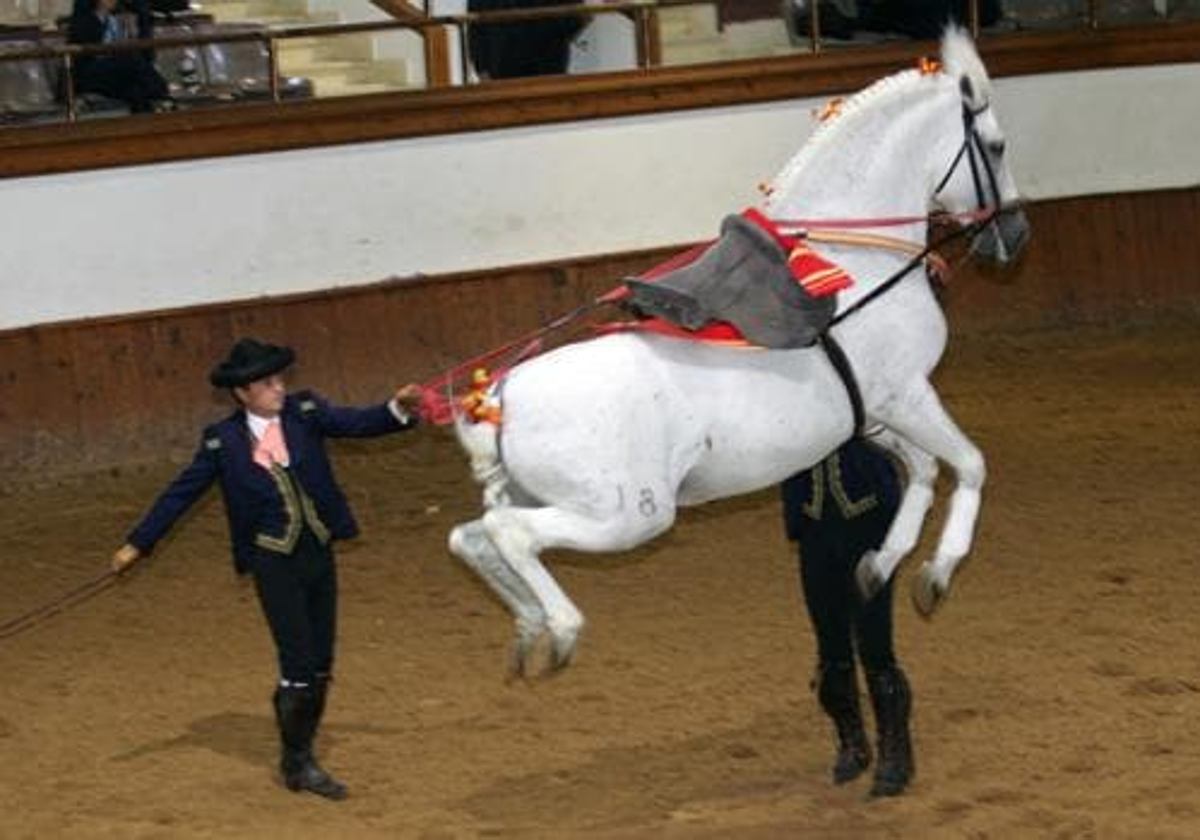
[[521, 48], [127, 76], [925, 19], [920, 19]]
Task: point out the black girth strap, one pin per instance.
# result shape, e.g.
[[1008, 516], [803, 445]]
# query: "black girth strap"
[[846, 373]]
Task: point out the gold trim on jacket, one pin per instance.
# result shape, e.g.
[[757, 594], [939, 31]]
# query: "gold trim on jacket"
[[298, 508], [829, 473]]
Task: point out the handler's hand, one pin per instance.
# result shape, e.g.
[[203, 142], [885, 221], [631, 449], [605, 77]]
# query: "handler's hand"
[[409, 398], [125, 557]]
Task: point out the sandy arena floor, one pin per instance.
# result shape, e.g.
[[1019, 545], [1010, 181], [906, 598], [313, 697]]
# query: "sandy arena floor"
[[1057, 693]]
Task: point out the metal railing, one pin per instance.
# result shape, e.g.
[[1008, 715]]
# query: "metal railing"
[[643, 13]]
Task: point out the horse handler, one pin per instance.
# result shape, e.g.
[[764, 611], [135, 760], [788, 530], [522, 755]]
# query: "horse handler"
[[836, 512], [285, 509]]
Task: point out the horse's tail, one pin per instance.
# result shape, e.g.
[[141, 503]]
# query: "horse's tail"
[[481, 442]]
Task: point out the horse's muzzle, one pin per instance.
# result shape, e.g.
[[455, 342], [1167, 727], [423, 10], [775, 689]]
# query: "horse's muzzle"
[[1004, 239]]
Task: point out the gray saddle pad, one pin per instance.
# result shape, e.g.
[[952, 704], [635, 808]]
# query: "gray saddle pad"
[[744, 279]]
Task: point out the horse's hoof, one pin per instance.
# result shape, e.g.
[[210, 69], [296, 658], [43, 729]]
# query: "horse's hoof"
[[928, 591], [560, 658], [516, 664], [458, 542], [520, 654], [562, 649], [868, 577]]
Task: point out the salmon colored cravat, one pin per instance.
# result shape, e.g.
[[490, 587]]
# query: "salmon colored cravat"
[[271, 448]]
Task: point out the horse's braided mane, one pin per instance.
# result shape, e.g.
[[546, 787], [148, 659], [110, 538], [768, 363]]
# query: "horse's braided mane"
[[960, 59], [882, 91]]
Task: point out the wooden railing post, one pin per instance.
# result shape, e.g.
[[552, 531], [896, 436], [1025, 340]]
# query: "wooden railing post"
[[273, 68], [654, 47], [464, 50], [68, 84], [437, 57], [435, 41], [814, 26]]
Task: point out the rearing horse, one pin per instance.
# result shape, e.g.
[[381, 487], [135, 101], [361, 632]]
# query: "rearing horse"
[[602, 440]]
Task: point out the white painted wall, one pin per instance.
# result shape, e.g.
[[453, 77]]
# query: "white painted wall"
[[127, 240]]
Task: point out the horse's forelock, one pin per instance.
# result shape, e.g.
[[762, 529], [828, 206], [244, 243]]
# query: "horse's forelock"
[[961, 61]]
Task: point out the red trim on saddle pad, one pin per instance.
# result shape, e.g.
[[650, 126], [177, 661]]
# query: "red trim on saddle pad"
[[716, 332], [817, 275]]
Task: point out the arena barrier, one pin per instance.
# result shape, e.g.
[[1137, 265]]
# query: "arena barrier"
[[97, 394]]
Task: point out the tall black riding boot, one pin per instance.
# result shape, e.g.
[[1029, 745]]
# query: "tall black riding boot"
[[892, 700], [837, 690], [296, 713]]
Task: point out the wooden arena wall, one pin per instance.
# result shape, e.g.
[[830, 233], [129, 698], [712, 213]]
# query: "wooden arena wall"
[[107, 393]]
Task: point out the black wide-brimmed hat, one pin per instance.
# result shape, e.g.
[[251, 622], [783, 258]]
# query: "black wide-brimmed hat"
[[250, 360]]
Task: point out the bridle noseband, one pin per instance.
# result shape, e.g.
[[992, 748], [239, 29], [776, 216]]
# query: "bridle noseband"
[[973, 150]]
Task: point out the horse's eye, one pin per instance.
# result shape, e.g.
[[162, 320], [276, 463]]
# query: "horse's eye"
[[996, 147]]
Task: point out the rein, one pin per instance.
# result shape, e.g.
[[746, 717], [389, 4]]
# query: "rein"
[[924, 254], [889, 243], [967, 216], [985, 213], [832, 231], [74, 597]]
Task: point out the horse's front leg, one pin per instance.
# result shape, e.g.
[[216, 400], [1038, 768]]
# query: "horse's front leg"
[[877, 567], [920, 418]]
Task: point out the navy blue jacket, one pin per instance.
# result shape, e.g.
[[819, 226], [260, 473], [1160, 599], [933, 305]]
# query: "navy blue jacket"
[[857, 478], [254, 502]]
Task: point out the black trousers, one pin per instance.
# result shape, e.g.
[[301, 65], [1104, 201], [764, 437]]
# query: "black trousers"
[[829, 555], [524, 48], [298, 594], [129, 77], [923, 19]]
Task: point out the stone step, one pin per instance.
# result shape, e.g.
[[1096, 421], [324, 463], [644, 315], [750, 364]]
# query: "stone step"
[[714, 50], [685, 22], [342, 65], [357, 47], [269, 12], [758, 34], [245, 9], [388, 73], [332, 87]]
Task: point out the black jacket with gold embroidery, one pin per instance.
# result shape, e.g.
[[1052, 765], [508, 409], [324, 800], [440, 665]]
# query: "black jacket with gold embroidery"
[[267, 509], [855, 479]]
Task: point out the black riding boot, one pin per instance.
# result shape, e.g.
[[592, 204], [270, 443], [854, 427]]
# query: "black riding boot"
[[837, 690], [321, 691], [296, 711], [892, 700]]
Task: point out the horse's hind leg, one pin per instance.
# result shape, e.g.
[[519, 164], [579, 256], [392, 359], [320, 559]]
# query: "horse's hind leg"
[[521, 534], [924, 422], [877, 567], [472, 545]]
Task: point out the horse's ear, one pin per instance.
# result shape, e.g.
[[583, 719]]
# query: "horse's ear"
[[967, 87]]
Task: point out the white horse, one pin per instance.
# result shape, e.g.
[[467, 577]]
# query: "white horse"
[[602, 440]]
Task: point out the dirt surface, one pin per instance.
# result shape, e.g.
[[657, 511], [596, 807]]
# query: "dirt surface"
[[1057, 693]]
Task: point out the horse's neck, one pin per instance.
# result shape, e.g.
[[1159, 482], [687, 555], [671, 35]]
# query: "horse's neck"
[[883, 166]]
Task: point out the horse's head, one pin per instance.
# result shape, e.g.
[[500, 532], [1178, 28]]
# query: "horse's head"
[[979, 179]]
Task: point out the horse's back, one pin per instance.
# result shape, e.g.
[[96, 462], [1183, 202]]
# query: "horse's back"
[[696, 420], [766, 415]]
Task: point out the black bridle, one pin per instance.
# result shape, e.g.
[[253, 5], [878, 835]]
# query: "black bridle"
[[973, 150], [976, 155]]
